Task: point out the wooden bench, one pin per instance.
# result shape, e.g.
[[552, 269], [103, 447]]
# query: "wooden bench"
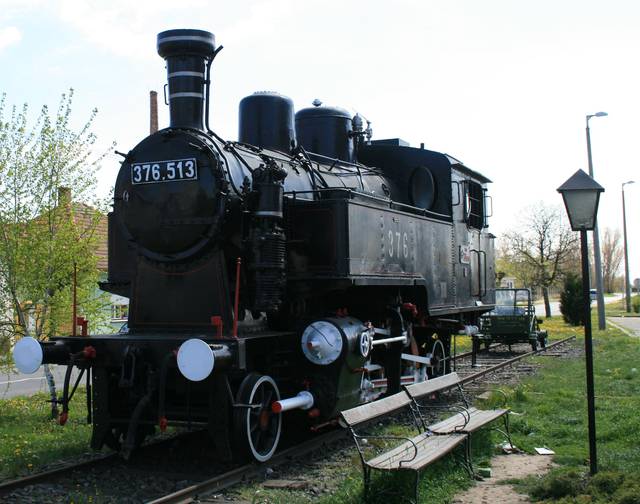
[[432, 442], [467, 419], [409, 454]]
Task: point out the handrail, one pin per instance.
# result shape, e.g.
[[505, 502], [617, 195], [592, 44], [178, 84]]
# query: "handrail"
[[352, 193]]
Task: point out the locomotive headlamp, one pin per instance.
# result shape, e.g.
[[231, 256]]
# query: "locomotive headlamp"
[[195, 359], [322, 342], [27, 355]]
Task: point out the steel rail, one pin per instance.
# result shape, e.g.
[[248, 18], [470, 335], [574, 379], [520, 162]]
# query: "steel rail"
[[480, 374], [253, 470], [470, 352], [15, 484], [249, 471], [10, 486]]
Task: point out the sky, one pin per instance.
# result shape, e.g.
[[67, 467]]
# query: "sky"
[[502, 85]]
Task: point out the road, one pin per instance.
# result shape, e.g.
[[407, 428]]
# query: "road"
[[555, 305], [15, 384]]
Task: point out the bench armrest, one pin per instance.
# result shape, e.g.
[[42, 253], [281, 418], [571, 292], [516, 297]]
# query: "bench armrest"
[[415, 446], [504, 397], [458, 409]]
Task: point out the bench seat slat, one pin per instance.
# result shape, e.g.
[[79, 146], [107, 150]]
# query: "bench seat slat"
[[479, 418], [430, 449], [439, 384], [375, 409]]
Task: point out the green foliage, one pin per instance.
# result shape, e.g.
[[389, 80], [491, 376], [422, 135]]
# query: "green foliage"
[[42, 232], [540, 249], [571, 302], [619, 308]]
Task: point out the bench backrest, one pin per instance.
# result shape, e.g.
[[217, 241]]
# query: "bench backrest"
[[439, 384], [375, 409]]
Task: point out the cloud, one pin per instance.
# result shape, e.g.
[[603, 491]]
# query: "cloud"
[[8, 36], [121, 27]]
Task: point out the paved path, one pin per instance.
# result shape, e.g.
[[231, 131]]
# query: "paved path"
[[15, 384], [630, 324], [496, 490]]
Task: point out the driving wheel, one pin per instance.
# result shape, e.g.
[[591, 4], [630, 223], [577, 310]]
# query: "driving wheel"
[[257, 428]]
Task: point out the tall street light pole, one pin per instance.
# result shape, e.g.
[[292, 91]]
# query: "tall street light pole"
[[596, 238], [627, 285]]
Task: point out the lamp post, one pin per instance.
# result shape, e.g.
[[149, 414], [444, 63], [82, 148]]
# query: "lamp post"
[[627, 284], [581, 195], [602, 325]]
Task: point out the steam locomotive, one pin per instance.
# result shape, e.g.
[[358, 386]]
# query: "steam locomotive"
[[298, 271]]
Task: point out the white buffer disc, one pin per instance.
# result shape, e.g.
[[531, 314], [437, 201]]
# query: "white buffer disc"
[[27, 354], [195, 359]]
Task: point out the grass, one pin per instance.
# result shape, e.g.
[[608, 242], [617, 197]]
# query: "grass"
[[30, 439], [618, 309], [554, 415], [343, 478], [552, 404]]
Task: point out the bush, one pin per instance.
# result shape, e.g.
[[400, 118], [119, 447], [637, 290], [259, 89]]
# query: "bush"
[[635, 303], [558, 485], [571, 304]]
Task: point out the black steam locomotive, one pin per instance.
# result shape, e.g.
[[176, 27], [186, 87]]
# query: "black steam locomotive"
[[304, 268]]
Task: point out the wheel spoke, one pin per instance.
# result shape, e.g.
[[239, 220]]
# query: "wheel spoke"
[[268, 397], [257, 439]]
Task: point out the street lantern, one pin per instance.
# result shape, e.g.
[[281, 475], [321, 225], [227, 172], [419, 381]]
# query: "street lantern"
[[581, 195]]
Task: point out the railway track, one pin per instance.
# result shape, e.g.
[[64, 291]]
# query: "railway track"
[[199, 486], [247, 472]]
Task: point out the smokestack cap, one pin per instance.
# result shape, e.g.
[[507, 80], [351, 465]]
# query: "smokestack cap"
[[186, 42]]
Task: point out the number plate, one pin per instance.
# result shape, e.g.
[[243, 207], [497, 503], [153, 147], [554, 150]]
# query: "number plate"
[[164, 171]]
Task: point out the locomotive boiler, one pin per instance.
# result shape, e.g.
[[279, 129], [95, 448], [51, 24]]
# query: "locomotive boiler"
[[297, 272]]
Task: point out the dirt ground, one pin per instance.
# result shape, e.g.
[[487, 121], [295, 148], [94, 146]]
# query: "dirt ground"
[[504, 467]]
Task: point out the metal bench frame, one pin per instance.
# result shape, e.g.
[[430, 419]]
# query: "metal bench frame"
[[361, 416], [452, 381]]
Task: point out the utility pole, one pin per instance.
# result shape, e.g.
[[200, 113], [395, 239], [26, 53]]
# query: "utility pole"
[[627, 283], [602, 325]]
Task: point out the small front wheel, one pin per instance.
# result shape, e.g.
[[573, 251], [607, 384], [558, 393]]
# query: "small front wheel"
[[542, 339]]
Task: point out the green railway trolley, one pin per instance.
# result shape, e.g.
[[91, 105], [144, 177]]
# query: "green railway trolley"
[[513, 320]]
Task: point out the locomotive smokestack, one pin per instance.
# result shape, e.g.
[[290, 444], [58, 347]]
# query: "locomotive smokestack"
[[186, 53], [153, 112]]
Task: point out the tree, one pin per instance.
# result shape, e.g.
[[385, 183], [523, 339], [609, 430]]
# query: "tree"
[[612, 255], [571, 300], [43, 235], [542, 249]]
